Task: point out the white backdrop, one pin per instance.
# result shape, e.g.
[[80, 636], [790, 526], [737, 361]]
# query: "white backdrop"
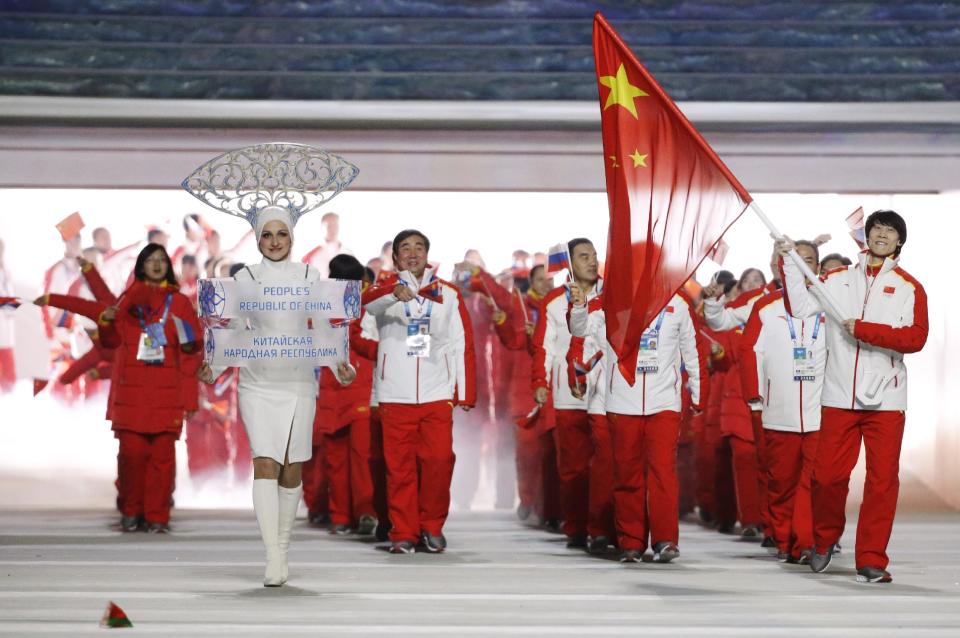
[[40, 436]]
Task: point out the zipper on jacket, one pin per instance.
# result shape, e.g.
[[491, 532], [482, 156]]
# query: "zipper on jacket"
[[644, 392], [856, 359], [383, 366], [801, 380], [768, 393]]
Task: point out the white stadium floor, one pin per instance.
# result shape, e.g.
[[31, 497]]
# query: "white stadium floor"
[[498, 578]]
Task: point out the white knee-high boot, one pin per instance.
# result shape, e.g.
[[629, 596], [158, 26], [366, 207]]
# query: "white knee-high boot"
[[289, 502], [266, 504]]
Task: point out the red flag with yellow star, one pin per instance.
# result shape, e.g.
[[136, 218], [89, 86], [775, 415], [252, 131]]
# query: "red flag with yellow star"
[[671, 198]]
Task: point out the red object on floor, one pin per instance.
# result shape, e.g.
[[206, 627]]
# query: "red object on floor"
[[418, 448], [791, 456], [114, 617], [574, 442], [840, 434], [147, 465], [645, 490]]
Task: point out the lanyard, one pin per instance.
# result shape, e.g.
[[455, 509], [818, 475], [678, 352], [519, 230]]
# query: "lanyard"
[[793, 332], [406, 304], [656, 328], [163, 319]]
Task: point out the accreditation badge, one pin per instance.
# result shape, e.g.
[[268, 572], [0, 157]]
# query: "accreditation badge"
[[149, 350], [418, 337], [648, 358], [803, 365]]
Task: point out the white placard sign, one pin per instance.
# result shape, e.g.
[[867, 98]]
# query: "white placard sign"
[[324, 299], [323, 346]]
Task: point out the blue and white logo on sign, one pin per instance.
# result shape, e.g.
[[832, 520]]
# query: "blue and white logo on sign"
[[351, 299], [209, 345], [211, 298]]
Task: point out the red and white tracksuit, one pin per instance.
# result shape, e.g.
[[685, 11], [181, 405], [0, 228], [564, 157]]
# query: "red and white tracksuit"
[[790, 412], [573, 433], [416, 395], [864, 395], [644, 420]]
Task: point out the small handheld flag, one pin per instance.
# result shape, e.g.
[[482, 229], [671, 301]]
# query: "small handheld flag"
[[10, 302], [558, 258], [114, 617], [719, 252], [70, 226], [530, 420], [39, 385], [855, 224], [432, 291]]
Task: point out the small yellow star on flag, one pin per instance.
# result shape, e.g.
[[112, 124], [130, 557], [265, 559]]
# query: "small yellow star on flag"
[[621, 91], [638, 159]]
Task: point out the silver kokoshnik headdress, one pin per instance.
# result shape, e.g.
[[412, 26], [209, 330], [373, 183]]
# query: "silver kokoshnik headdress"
[[293, 177]]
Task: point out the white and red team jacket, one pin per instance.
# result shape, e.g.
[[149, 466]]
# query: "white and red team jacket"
[[767, 370], [551, 340], [866, 372], [449, 372], [654, 392], [721, 315]]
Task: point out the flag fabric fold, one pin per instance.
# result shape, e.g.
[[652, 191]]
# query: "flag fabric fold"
[[11, 303], [558, 258], [670, 196]]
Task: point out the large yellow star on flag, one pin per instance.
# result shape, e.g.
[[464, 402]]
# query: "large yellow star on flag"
[[621, 91], [638, 159]]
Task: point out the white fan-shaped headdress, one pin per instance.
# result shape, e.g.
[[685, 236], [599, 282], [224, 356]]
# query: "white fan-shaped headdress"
[[266, 177]]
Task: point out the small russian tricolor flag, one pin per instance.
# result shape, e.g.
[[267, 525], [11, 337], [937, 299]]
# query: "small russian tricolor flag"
[[557, 258], [432, 291], [185, 332], [583, 368], [10, 302]]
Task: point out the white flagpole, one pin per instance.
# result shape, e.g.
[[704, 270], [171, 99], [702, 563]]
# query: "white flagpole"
[[832, 304]]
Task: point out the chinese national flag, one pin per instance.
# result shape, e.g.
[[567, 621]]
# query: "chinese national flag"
[[671, 198]]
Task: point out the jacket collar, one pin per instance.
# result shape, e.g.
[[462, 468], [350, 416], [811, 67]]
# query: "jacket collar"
[[888, 264]]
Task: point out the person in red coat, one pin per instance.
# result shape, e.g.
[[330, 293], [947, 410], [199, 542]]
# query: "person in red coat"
[[155, 330]]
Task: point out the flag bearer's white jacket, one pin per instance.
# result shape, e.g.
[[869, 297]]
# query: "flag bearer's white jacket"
[[551, 339], [653, 392], [449, 372], [766, 365], [890, 306]]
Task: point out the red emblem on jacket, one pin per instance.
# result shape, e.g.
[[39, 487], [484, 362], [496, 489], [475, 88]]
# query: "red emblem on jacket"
[[889, 290]]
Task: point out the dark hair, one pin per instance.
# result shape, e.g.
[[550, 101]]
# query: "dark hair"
[[746, 272], [812, 246], [346, 267], [235, 268], [533, 271], [573, 243], [139, 269], [192, 216], [98, 230], [152, 233], [188, 259], [888, 218], [725, 278], [404, 234], [368, 275], [836, 257]]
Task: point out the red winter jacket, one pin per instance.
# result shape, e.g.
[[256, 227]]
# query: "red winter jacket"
[[152, 398]]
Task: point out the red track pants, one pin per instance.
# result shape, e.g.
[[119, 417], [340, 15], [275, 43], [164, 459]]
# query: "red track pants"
[[790, 457], [316, 487], [528, 468], [378, 467], [746, 480], [549, 477], [759, 439], [147, 466], [646, 491], [601, 518], [418, 448], [585, 465], [8, 370], [837, 452], [348, 468], [207, 448]]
